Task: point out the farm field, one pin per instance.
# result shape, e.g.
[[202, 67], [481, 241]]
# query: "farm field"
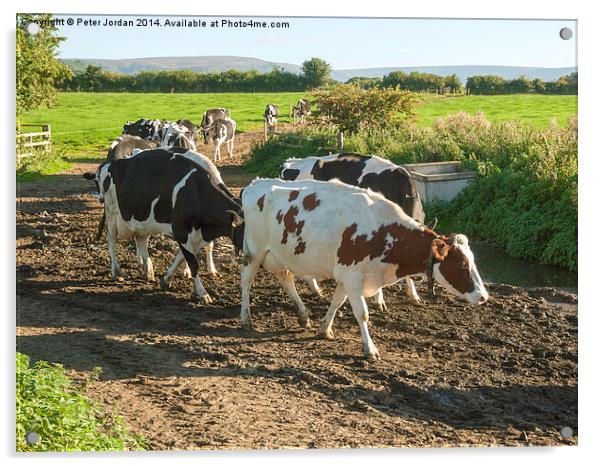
[[90, 121], [185, 376], [533, 109]]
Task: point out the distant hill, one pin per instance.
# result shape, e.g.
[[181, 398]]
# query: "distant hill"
[[463, 71], [225, 63], [202, 64]]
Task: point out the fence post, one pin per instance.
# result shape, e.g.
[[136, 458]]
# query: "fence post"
[[265, 130], [340, 140]]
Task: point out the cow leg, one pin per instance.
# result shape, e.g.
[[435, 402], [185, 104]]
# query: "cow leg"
[[165, 281], [209, 259], [379, 300], [287, 280], [112, 245], [247, 274], [338, 299], [144, 258], [312, 284], [411, 291], [231, 147], [216, 156], [189, 250], [360, 311]]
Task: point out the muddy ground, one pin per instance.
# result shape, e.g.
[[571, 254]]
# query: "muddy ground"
[[187, 377]]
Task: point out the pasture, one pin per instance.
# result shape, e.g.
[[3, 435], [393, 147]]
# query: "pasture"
[[89, 121], [532, 109]]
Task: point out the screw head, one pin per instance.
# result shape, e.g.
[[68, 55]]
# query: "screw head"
[[566, 432], [566, 33], [32, 437], [33, 28]]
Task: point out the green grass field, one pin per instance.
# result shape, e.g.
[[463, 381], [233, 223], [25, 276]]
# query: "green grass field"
[[90, 121], [532, 109]]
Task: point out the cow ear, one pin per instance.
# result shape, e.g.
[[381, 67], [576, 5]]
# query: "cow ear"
[[89, 176], [432, 224], [440, 249]]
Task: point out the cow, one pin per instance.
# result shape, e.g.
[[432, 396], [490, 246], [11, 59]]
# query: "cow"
[[213, 114], [177, 135], [220, 131], [174, 192], [356, 236], [270, 115], [144, 128], [190, 126], [301, 109], [366, 171]]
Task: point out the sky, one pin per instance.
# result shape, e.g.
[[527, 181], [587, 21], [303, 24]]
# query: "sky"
[[345, 43]]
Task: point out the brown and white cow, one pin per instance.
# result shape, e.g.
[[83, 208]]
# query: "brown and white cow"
[[356, 236], [366, 171]]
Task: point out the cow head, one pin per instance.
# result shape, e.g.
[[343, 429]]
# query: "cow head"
[[237, 231], [206, 131], [98, 178], [454, 268]]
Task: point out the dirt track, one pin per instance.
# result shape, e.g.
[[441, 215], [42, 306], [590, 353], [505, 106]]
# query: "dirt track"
[[187, 377]]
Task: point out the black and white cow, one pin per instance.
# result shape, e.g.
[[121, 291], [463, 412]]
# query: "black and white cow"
[[372, 172], [189, 125], [176, 135], [144, 128], [301, 110], [270, 115], [175, 192], [220, 131], [213, 114]]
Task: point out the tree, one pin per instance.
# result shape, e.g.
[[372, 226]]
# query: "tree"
[[315, 72], [38, 70]]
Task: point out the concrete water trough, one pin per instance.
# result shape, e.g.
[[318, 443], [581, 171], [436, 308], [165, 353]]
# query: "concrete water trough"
[[439, 180]]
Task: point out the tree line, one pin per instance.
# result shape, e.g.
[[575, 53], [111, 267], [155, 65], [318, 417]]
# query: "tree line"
[[490, 84], [315, 73], [481, 85]]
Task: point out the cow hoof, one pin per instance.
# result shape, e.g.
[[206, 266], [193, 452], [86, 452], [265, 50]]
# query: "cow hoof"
[[207, 299], [119, 279], [150, 278], [247, 326], [375, 356], [326, 335], [305, 323], [165, 285]]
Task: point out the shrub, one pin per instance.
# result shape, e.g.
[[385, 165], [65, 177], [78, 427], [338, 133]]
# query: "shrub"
[[65, 420]]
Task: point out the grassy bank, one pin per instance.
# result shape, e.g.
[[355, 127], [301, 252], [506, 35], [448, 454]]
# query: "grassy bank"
[[64, 419]]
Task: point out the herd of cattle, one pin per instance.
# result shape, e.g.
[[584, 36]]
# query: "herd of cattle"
[[355, 218]]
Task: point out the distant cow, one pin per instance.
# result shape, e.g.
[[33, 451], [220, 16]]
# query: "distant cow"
[[146, 129], [124, 146], [301, 110], [190, 126], [213, 114], [270, 114], [176, 135], [356, 236], [220, 131], [379, 175], [174, 192]]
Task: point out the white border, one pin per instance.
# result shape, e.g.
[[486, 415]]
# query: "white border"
[[589, 246]]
